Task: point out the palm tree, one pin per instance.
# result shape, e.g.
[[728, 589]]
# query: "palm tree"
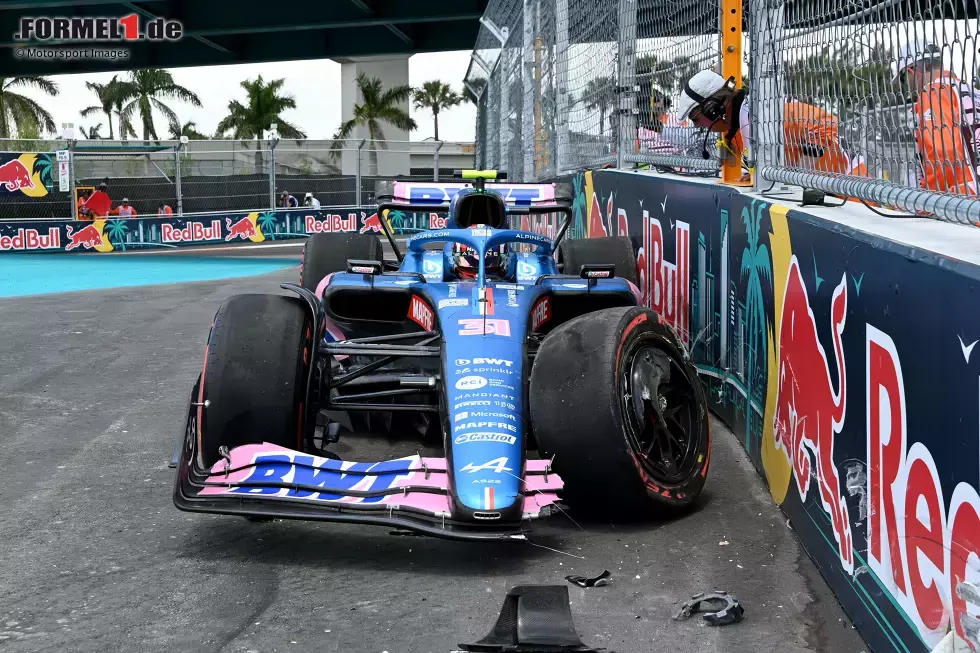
[[140, 95], [43, 167], [116, 231], [267, 223], [598, 96], [757, 266], [397, 220], [377, 106], [436, 96], [188, 129], [19, 112], [92, 133], [264, 107], [108, 101]]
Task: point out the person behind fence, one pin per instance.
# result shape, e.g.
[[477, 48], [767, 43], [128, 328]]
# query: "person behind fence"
[[124, 210], [164, 209], [311, 201], [99, 203], [946, 126], [287, 201], [82, 213], [810, 134]]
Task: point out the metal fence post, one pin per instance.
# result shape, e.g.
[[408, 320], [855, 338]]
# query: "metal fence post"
[[561, 86], [435, 161], [767, 104], [527, 90], [180, 195], [626, 91], [71, 179], [272, 173], [357, 173]]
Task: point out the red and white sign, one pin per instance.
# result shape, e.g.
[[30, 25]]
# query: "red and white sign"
[[436, 221], [331, 224], [484, 326], [30, 239], [541, 313], [420, 313], [193, 232]]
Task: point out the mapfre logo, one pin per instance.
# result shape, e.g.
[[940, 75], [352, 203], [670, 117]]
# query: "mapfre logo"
[[420, 313]]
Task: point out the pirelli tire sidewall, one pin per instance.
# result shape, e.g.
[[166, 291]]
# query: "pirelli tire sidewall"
[[578, 414]]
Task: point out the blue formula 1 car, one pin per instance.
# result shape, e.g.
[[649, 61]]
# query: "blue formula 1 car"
[[528, 358]]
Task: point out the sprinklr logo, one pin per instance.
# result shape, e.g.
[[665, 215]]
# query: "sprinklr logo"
[[97, 29]]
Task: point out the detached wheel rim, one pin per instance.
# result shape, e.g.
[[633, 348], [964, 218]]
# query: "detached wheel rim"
[[660, 413]]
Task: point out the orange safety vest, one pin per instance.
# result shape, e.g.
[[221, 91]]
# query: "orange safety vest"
[[944, 136]]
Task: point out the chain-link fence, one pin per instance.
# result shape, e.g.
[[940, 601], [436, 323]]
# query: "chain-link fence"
[[873, 99], [219, 175]]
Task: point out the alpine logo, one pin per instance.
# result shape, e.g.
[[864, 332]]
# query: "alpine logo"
[[420, 313], [498, 465]]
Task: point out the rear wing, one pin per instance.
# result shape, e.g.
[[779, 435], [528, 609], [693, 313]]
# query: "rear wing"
[[436, 196]]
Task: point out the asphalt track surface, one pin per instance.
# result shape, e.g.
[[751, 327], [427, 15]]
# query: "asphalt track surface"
[[96, 558]]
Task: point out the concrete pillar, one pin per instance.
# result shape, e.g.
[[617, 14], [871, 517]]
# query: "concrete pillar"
[[392, 71]]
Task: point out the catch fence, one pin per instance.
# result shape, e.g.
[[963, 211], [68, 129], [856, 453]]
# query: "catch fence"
[[871, 99], [202, 176]]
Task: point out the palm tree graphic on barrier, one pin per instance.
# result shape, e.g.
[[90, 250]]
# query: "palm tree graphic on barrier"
[[397, 220], [116, 231], [267, 223], [42, 166], [756, 265]]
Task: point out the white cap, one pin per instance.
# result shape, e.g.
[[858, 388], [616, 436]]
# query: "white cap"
[[309, 195], [125, 200], [706, 83], [912, 53]]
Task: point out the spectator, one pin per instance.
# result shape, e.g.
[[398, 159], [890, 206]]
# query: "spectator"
[[82, 213], [99, 203], [164, 209], [311, 201], [810, 136], [947, 133], [287, 201], [124, 210]]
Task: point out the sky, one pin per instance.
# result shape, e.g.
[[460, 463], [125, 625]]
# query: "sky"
[[314, 84]]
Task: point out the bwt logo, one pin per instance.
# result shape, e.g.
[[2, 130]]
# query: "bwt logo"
[[101, 28]]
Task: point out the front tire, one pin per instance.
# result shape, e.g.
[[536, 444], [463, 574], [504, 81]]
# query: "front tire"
[[254, 377], [618, 404], [325, 254]]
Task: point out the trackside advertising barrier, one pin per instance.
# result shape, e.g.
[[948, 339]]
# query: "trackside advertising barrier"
[[844, 363], [126, 234]]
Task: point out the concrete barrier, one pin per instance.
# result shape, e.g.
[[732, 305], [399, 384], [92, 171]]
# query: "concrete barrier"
[[844, 362]]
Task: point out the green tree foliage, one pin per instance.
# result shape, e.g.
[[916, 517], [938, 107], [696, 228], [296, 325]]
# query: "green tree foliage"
[[377, 107], [188, 129], [435, 96], [108, 101], [20, 114], [141, 93]]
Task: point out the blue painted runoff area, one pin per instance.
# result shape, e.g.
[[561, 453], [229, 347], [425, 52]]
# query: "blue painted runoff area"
[[40, 274]]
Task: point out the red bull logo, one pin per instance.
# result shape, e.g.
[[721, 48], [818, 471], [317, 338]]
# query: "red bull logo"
[[331, 224], [87, 237], [243, 229], [372, 224], [194, 231], [809, 412], [14, 175], [29, 239], [665, 286]]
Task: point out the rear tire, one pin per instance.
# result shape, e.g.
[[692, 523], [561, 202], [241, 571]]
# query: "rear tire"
[[255, 374], [325, 254], [616, 250], [582, 391]]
